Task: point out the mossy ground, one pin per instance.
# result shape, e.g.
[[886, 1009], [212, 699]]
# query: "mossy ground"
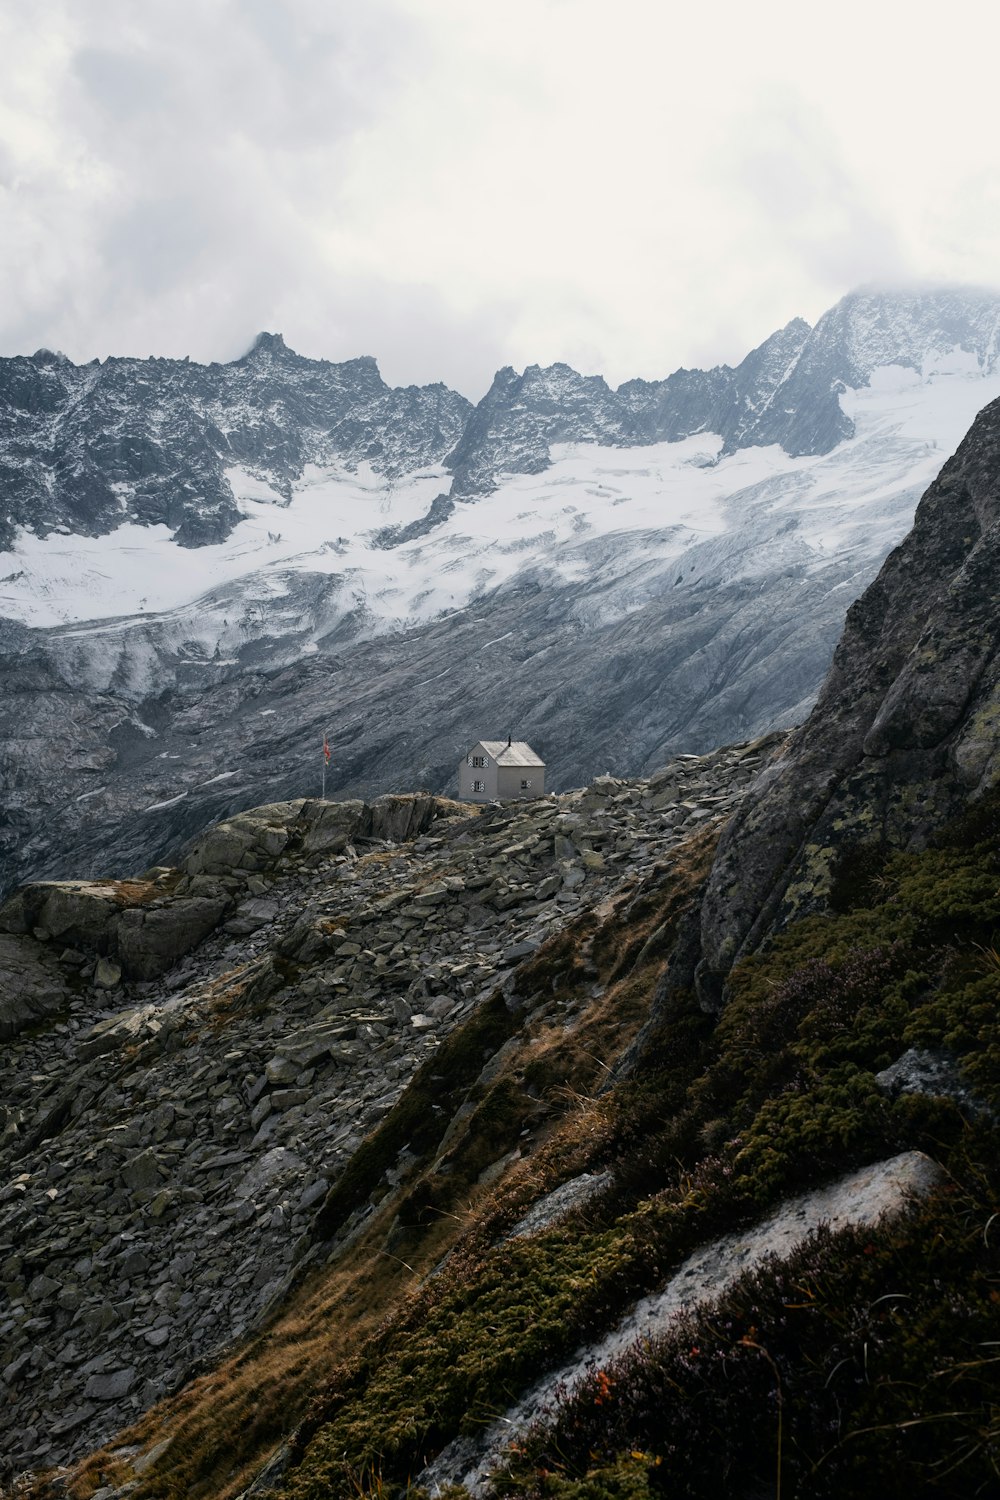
[[864, 1365], [879, 1350]]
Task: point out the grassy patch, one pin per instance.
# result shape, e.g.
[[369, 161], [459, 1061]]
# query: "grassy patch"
[[779, 1096], [373, 1326], [874, 1352]]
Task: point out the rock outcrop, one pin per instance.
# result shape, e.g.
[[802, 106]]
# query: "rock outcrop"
[[904, 733], [132, 922], [860, 1198], [138, 929]]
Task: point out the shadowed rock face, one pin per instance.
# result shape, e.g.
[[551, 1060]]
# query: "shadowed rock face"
[[32, 987], [904, 732]]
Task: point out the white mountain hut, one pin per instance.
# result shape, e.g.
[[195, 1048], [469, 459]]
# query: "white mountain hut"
[[501, 771]]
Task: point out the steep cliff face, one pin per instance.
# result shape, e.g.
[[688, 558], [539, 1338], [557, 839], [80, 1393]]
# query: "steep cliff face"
[[905, 729], [923, 331]]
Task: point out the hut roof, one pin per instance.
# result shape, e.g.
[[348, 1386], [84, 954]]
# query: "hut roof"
[[517, 753]]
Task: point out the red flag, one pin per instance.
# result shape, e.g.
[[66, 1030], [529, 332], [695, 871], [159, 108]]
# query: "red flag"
[[326, 750]]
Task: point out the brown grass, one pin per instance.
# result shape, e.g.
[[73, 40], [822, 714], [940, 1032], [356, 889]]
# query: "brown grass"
[[223, 1425]]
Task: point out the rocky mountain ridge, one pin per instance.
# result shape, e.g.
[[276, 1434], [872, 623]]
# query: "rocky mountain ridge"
[[87, 448]]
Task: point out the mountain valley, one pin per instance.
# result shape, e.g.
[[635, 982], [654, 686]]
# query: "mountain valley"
[[636, 1140], [402, 571]]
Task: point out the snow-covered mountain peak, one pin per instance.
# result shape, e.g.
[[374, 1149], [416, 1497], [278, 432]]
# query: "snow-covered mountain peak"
[[871, 328], [148, 442], [269, 343], [50, 357], [88, 448], [775, 355]]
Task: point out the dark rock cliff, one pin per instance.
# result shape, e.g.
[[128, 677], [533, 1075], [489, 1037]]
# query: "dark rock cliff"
[[904, 731]]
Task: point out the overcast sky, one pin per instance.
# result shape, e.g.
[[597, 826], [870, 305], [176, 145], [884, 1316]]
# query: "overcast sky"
[[454, 185]]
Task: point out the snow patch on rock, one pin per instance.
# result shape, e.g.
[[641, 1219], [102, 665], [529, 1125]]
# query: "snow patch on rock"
[[859, 1198]]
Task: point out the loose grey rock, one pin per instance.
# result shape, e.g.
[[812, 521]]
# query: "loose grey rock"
[[142, 1171], [107, 974], [111, 1386], [920, 1072], [173, 1142]]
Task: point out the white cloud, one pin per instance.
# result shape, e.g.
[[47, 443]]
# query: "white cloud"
[[452, 186]]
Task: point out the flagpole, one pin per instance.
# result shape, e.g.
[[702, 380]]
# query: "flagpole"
[[323, 791]]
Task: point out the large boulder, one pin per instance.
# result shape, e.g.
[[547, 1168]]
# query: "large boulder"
[[330, 826], [250, 841], [150, 941], [32, 987], [131, 921], [396, 818], [80, 913]]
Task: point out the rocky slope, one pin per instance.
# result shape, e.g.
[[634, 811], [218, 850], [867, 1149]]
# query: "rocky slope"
[[833, 998], [169, 1142], [397, 557]]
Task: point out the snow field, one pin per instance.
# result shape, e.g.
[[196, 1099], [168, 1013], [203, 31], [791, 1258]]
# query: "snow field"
[[623, 516]]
